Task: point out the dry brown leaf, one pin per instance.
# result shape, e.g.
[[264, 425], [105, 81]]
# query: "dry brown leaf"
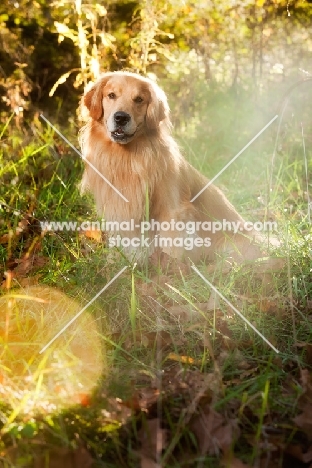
[[189, 312], [66, 458], [29, 281], [183, 312], [297, 452], [27, 226], [141, 400], [153, 439], [57, 458], [151, 288], [148, 396], [213, 433], [183, 359], [270, 264], [5, 238], [304, 420], [308, 348], [159, 259], [148, 462], [94, 234], [233, 462], [160, 339], [27, 265], [170, 265], [270, 305], [213, 301]]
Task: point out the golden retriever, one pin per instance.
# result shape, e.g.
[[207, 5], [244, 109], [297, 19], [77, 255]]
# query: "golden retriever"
[[127, 139]]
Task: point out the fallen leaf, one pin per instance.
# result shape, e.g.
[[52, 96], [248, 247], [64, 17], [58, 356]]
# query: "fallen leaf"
[[148, 396], [191, 312], [308, 349], [148, 463], [161, 339], [28, 226], [29, 281], [26, 265], [213, 433], [5, 238], [183, 359], [228, 461], [297, 452], [153, 287], [94, 234], [66, 458], [168, 264], [304, 420], [270, 305], [153, 440], [58, 458]]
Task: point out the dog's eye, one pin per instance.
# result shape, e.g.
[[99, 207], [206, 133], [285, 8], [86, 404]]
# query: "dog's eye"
[[138, 99], [111, 96]]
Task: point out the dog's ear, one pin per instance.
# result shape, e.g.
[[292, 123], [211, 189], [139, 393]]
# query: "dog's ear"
[[158, 108], [93, 98]]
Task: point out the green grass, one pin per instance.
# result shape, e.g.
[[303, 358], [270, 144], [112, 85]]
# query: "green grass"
[[166, 356]]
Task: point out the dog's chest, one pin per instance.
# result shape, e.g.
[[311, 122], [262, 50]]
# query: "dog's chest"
[[126, 189]]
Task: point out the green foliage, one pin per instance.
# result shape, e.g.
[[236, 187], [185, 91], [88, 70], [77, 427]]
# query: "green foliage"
[[52, 48]]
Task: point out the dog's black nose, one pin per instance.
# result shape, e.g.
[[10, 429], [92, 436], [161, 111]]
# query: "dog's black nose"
[[121, 118]]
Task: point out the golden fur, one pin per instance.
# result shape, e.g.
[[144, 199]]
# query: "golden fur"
[[141, 158]]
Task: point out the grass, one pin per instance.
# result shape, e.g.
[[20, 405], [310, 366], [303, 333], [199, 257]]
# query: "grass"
[[174, 369]]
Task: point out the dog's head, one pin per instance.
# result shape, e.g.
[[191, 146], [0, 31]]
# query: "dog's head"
[[127, 104]]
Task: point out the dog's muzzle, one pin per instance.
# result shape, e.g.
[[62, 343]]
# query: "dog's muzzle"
[[121, 119]]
